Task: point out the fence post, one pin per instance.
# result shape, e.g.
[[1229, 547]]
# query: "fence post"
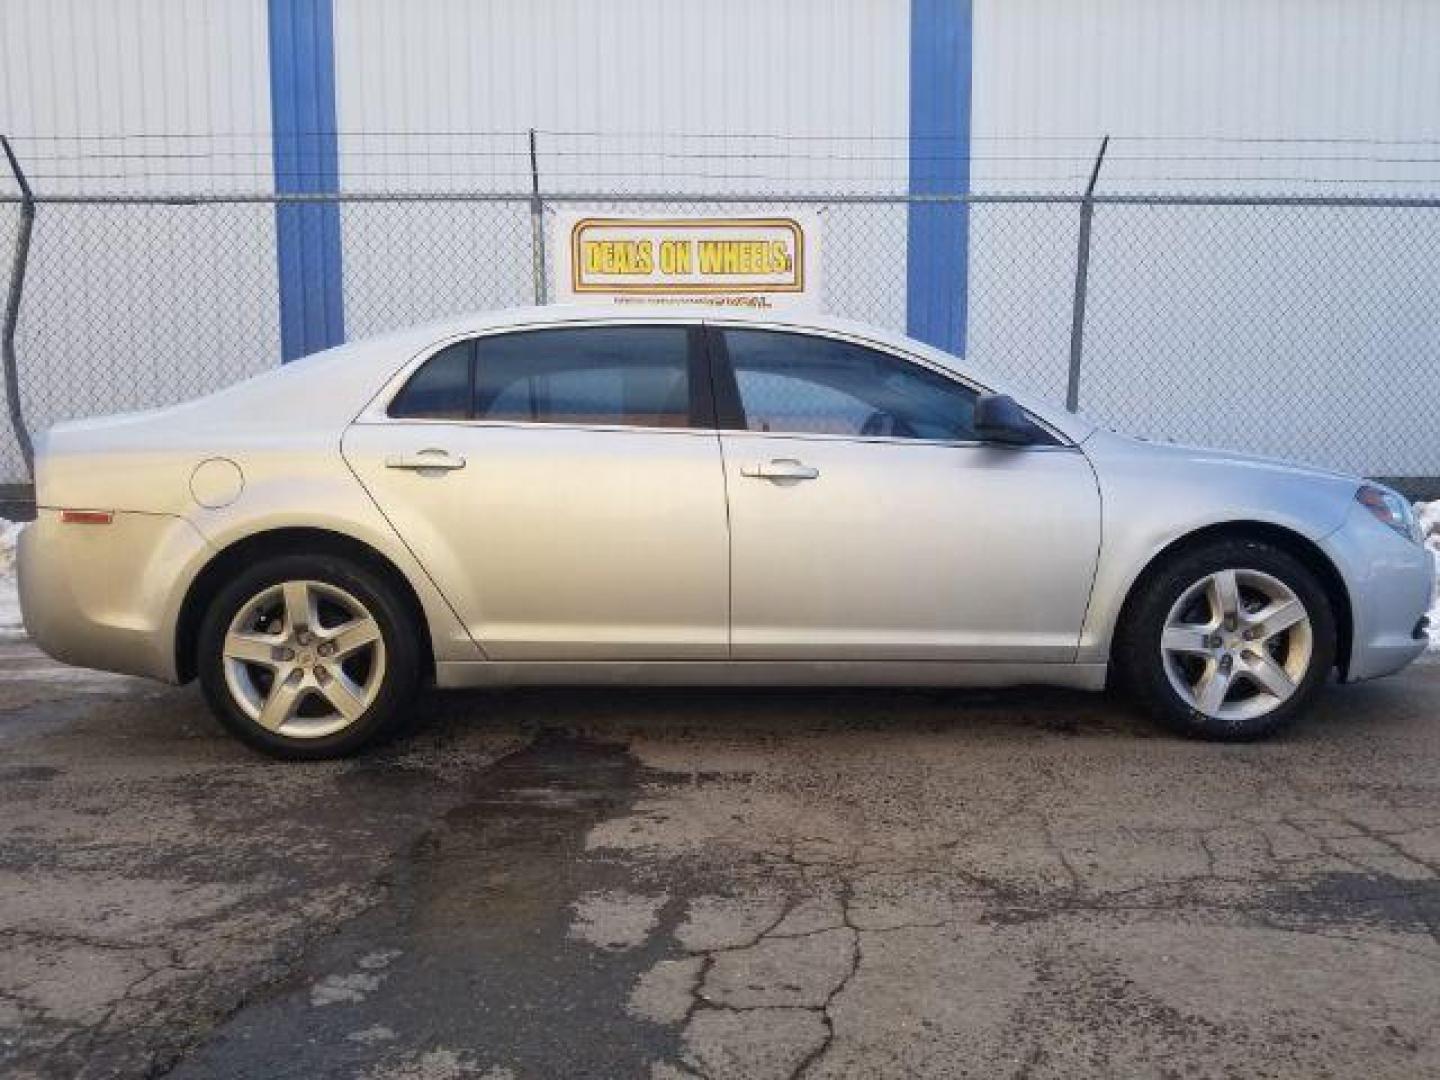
[[1082, 282], [12, 308], [537, 224]]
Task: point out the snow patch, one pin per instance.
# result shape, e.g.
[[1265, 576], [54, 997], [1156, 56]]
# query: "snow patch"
[[12, 627], [349, 989], [1428, 515]]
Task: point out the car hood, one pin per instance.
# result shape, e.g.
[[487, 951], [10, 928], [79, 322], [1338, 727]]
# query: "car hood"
[[1105, 445], [1178, 489]]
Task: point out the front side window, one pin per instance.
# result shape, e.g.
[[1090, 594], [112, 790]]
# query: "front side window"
[[794, 383], [624, 375]]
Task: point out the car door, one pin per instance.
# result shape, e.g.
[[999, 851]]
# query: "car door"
[[563, 488], [868, 523]]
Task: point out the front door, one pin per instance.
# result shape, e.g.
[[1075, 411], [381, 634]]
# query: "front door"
[[560, 489], [867, 523]]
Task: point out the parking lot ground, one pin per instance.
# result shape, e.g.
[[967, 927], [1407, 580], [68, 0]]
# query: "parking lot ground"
[[718, 883]]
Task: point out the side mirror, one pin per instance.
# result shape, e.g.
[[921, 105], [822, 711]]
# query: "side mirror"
[[999, 420]]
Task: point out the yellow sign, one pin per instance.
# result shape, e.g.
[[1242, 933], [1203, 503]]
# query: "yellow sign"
[[745, 261]]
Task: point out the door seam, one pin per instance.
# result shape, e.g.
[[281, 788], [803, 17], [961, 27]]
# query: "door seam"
[[406, 545]]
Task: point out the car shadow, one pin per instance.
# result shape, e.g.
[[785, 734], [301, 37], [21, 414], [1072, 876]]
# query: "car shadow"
[[619, 712]]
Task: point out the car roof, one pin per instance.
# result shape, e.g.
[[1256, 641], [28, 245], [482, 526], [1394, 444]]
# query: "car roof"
[[551, 314]]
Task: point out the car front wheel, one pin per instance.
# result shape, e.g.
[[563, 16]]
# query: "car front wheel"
[[308, 656], [1230, 640]]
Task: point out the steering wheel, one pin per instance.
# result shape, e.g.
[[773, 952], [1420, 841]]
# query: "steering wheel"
[[887, 424]]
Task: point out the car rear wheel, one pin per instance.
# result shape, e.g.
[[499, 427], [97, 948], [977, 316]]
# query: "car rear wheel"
[[1230, 641], [308, 656]]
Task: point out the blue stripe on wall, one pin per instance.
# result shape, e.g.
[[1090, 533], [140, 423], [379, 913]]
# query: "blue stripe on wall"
[[937, 262], [307, 160]]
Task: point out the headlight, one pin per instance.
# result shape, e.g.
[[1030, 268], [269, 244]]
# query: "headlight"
[[1391, 510]]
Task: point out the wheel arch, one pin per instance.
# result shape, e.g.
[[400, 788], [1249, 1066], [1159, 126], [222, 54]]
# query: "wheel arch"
[[290, 540], [1288, 540]]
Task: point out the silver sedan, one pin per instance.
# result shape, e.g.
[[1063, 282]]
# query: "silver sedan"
[[570, 496]]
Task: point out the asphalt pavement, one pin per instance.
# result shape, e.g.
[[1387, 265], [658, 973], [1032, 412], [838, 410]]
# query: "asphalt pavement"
[[681, 883]]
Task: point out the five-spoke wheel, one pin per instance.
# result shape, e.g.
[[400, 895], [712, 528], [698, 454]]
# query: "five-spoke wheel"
[[309, 656], [1227, 639], [1237, 643], [304, 658]]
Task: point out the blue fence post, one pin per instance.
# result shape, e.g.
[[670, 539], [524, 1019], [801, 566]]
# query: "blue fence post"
[[937, 260], [307, 161]]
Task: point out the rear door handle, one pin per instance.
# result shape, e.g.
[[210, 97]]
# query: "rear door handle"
[[781, 469], [426, 459]]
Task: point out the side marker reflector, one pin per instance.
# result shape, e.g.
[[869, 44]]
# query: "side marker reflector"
[[87, 517]]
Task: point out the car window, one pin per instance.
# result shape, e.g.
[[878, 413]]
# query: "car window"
[[440, 390], [812, 385], [635, 375]]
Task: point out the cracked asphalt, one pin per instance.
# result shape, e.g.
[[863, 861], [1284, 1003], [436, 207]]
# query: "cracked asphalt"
[[718, 884]]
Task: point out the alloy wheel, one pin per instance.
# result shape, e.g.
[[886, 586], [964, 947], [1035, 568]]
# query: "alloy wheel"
[[304, 659], [1237, 644]]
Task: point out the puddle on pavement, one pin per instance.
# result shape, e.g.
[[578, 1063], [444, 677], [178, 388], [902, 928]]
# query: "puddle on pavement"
[[27, 773], [1351, 899], [472, 956]]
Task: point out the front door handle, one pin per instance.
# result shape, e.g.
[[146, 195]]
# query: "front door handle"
[[781, 469], [431, 458]]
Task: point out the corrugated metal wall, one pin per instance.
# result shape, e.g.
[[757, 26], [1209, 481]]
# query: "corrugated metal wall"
[[1051, 77], [651, 76], [88, 87], [142, 96], [729, 95], [1282, 321], [663, 81], [634, 95]]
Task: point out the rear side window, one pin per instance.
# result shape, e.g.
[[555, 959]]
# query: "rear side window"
[[632, 375], [440, 390], [622, 375]]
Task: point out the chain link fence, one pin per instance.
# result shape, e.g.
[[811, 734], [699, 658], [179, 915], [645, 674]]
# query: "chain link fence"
[[1303, 328]]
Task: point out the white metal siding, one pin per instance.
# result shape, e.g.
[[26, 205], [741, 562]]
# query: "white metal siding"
[[145, 96], [630, 70], [630, 95], [727, 95], [1280, 321], [1052, 76], [89, 86]]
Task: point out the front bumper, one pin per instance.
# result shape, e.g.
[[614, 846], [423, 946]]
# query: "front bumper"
[[1391, 582], [107, 596]]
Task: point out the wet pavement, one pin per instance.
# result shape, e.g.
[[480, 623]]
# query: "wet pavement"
[[718, 884]]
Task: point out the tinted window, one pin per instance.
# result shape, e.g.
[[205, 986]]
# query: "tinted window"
[[440, 390], [637, 375], [796, 383]]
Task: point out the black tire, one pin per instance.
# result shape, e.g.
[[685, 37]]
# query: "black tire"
[[1142, 667], [395, 686]]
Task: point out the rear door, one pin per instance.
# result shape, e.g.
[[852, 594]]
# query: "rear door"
[[868, 523], [563, 487]]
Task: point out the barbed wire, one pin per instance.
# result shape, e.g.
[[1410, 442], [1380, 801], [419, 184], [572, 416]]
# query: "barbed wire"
[[1091, 137], [874, 162], [523, 156]]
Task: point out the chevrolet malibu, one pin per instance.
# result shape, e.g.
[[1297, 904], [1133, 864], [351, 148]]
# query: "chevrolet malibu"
[[598, 497]]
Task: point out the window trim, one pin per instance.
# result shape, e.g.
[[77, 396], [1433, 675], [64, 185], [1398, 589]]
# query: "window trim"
[[712, 355], [701, 418], [413, 373], [731, 410]]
